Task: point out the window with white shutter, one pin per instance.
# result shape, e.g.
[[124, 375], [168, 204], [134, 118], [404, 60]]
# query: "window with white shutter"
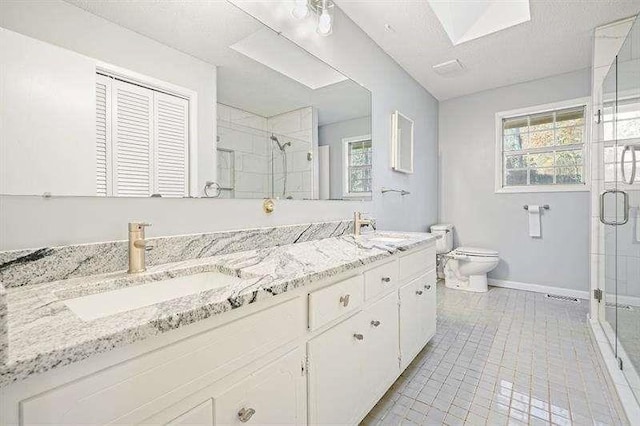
[[142, 141]]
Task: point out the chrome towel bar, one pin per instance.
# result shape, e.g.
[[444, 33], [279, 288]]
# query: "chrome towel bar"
[[526, 207], [401, 191]]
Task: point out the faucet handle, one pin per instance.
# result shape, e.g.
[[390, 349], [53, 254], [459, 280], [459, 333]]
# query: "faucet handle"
[[137, 226]]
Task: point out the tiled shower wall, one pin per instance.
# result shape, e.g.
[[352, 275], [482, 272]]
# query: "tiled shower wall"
[[247, 157], [296, 127], [243, 153]]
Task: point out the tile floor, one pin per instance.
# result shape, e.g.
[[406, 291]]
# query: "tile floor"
[[504, 357]]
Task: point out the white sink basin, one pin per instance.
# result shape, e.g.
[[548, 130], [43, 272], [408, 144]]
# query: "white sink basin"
[[388, 239], [101, 305]]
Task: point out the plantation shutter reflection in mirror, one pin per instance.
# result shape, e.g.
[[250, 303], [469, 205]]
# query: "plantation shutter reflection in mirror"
[[103, 134], [132, 139], [171, 145], [142, 141]]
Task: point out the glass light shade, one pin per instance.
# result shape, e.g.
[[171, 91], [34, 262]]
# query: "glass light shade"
[[301, 9], [325, 23]]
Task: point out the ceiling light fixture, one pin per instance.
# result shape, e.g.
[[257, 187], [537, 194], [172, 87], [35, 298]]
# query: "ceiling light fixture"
[[323, 9]]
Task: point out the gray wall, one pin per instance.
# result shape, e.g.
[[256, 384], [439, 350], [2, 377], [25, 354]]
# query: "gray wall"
[[497, 221], [332, 135], [33, 221]]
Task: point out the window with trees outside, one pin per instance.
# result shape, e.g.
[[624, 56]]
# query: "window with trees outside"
[[621, 127], [542, 150], [357, 166]]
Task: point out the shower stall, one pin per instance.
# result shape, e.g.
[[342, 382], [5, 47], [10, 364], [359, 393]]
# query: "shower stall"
[[258, 163], [616, 209]]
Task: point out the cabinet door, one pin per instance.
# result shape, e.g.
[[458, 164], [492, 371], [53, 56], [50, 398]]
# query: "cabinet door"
[[272, 395], [202, 415], [337, 378], [382, 350], [410, 322], [417, 315], [428, 312]]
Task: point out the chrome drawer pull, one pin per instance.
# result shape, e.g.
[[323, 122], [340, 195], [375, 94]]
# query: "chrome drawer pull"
[[344, 300], [419, 292], [428, 286], [358, 336], [245, 414], [375, 323], [386, 279]]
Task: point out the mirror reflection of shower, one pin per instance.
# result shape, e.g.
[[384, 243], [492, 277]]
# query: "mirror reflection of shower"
[[266, 156], [282, 147]]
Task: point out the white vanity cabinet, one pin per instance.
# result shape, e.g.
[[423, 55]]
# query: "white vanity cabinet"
[[321, 354], [351, 363], [417, 316]]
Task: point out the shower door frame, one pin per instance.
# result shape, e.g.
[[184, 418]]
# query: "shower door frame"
[[611, 229]]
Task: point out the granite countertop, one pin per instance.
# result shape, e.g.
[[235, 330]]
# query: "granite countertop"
[[40, 332]]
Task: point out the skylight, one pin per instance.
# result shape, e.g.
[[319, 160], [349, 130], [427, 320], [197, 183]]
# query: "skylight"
[[278, 53], [471, 19]]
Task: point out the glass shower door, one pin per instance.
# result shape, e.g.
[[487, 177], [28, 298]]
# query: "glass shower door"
[[620, 207]]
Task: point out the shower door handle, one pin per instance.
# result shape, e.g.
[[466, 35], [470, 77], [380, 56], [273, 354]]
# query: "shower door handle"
[[625, 197], [632, 149]]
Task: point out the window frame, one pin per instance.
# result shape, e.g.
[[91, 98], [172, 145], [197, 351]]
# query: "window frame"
[[345, 166], [500, 188]]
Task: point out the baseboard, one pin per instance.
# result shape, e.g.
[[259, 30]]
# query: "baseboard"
[[628, 300], [537, 288]]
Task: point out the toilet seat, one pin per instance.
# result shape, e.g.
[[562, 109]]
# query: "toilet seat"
[[475, 252]]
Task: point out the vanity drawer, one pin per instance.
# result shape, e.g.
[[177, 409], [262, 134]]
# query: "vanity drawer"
[[380, 279], [331, 302], [417, 263]]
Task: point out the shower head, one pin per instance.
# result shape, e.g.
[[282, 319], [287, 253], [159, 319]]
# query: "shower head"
[[281, 146]]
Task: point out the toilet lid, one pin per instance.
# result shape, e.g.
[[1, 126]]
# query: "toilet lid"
[[475, 251]]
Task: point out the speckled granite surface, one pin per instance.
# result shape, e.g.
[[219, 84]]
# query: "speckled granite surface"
[[43, 333], [23, 267]]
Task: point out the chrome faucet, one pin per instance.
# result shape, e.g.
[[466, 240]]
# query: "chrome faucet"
[[359, 222], [137, 247]]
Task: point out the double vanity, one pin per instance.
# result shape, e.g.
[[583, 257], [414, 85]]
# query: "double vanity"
[[307, 327], [107, 114]]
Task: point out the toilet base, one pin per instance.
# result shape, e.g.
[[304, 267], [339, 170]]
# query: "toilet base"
[[474, 283]]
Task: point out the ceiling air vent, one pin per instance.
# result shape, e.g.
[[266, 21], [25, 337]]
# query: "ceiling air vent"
[[449, 68]]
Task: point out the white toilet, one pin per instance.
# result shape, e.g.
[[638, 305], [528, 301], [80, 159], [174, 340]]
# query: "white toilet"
[[464, 268]]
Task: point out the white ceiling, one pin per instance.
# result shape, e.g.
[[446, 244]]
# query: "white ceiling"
[[558, 39], [207, 29]]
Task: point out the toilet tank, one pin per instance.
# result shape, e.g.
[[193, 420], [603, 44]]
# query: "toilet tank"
[[445, 243]]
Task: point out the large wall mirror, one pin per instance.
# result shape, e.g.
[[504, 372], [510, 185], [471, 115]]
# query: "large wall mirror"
[[172, 99]]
